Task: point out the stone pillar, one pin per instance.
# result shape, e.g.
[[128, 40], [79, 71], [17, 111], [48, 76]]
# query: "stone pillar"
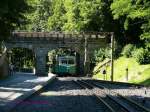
[[40, 69], [4, 66], [91, 55], [80, 59], [81, 65]]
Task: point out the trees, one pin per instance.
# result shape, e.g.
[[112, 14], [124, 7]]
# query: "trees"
[[38, 16], [71, 15], [56, 20], [135, 13], [80, 15], [23, 57], [11, 15]]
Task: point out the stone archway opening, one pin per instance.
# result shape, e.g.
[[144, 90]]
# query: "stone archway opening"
[[63, 62], [23, 59]]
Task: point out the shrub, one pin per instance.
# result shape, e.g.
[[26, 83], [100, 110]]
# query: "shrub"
[[101, 54], [117, 51], [142, 56], [127, 50]]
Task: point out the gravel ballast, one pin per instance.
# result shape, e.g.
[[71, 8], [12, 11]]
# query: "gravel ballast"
[[61, 96]]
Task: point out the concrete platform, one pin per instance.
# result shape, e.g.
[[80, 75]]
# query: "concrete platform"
[[20, 86]]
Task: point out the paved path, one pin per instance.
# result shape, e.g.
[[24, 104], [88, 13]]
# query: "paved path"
[[18, 87]]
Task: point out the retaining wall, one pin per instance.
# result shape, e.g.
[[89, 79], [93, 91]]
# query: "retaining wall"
[[4, 65]]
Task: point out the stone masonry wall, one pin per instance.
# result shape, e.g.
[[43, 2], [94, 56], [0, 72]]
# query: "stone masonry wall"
[[4, 66]]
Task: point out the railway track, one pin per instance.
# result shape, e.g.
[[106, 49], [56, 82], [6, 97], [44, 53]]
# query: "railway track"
[[63, 95], [70, 94], [121, 83], [113, 101], [138, 93]]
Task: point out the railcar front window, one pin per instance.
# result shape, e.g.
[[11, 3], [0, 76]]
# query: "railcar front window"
[[63, 62], [70, 61]]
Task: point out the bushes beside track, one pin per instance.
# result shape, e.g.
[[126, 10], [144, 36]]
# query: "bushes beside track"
[[136, 73]]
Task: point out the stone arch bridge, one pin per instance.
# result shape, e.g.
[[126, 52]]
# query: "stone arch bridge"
[[42, 42]]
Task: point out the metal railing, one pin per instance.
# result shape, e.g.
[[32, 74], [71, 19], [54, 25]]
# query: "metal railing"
[[101, 66]]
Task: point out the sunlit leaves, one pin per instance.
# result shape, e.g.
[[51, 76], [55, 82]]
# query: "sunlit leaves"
[[120, 8], [56, 20], [77, 15], [133, 10], [38, 17]]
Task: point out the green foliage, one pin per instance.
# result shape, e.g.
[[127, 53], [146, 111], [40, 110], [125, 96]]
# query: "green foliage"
[[142, 56], [51, 56], [69, 15], [134, 12], [79, 15], [22, 57], [38, 16], [120, 8], [87, 15], [11, 15], [73, 15], [127, 50], [56, 20], [101, 54], [137, 73]]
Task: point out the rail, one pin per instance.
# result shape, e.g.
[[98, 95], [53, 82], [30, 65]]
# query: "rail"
[[85, 85], [122, 104]]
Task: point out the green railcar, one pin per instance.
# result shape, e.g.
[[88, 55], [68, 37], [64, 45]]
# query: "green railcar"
[[65, 65]]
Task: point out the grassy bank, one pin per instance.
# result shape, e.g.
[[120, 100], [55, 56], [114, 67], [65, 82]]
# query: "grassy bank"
[[139, 74]]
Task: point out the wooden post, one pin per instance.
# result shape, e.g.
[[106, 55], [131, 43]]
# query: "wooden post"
[[112, 57], [85, 51], [86, 58], [127, 74]]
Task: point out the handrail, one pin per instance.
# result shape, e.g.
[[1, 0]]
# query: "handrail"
[[104, 64]]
